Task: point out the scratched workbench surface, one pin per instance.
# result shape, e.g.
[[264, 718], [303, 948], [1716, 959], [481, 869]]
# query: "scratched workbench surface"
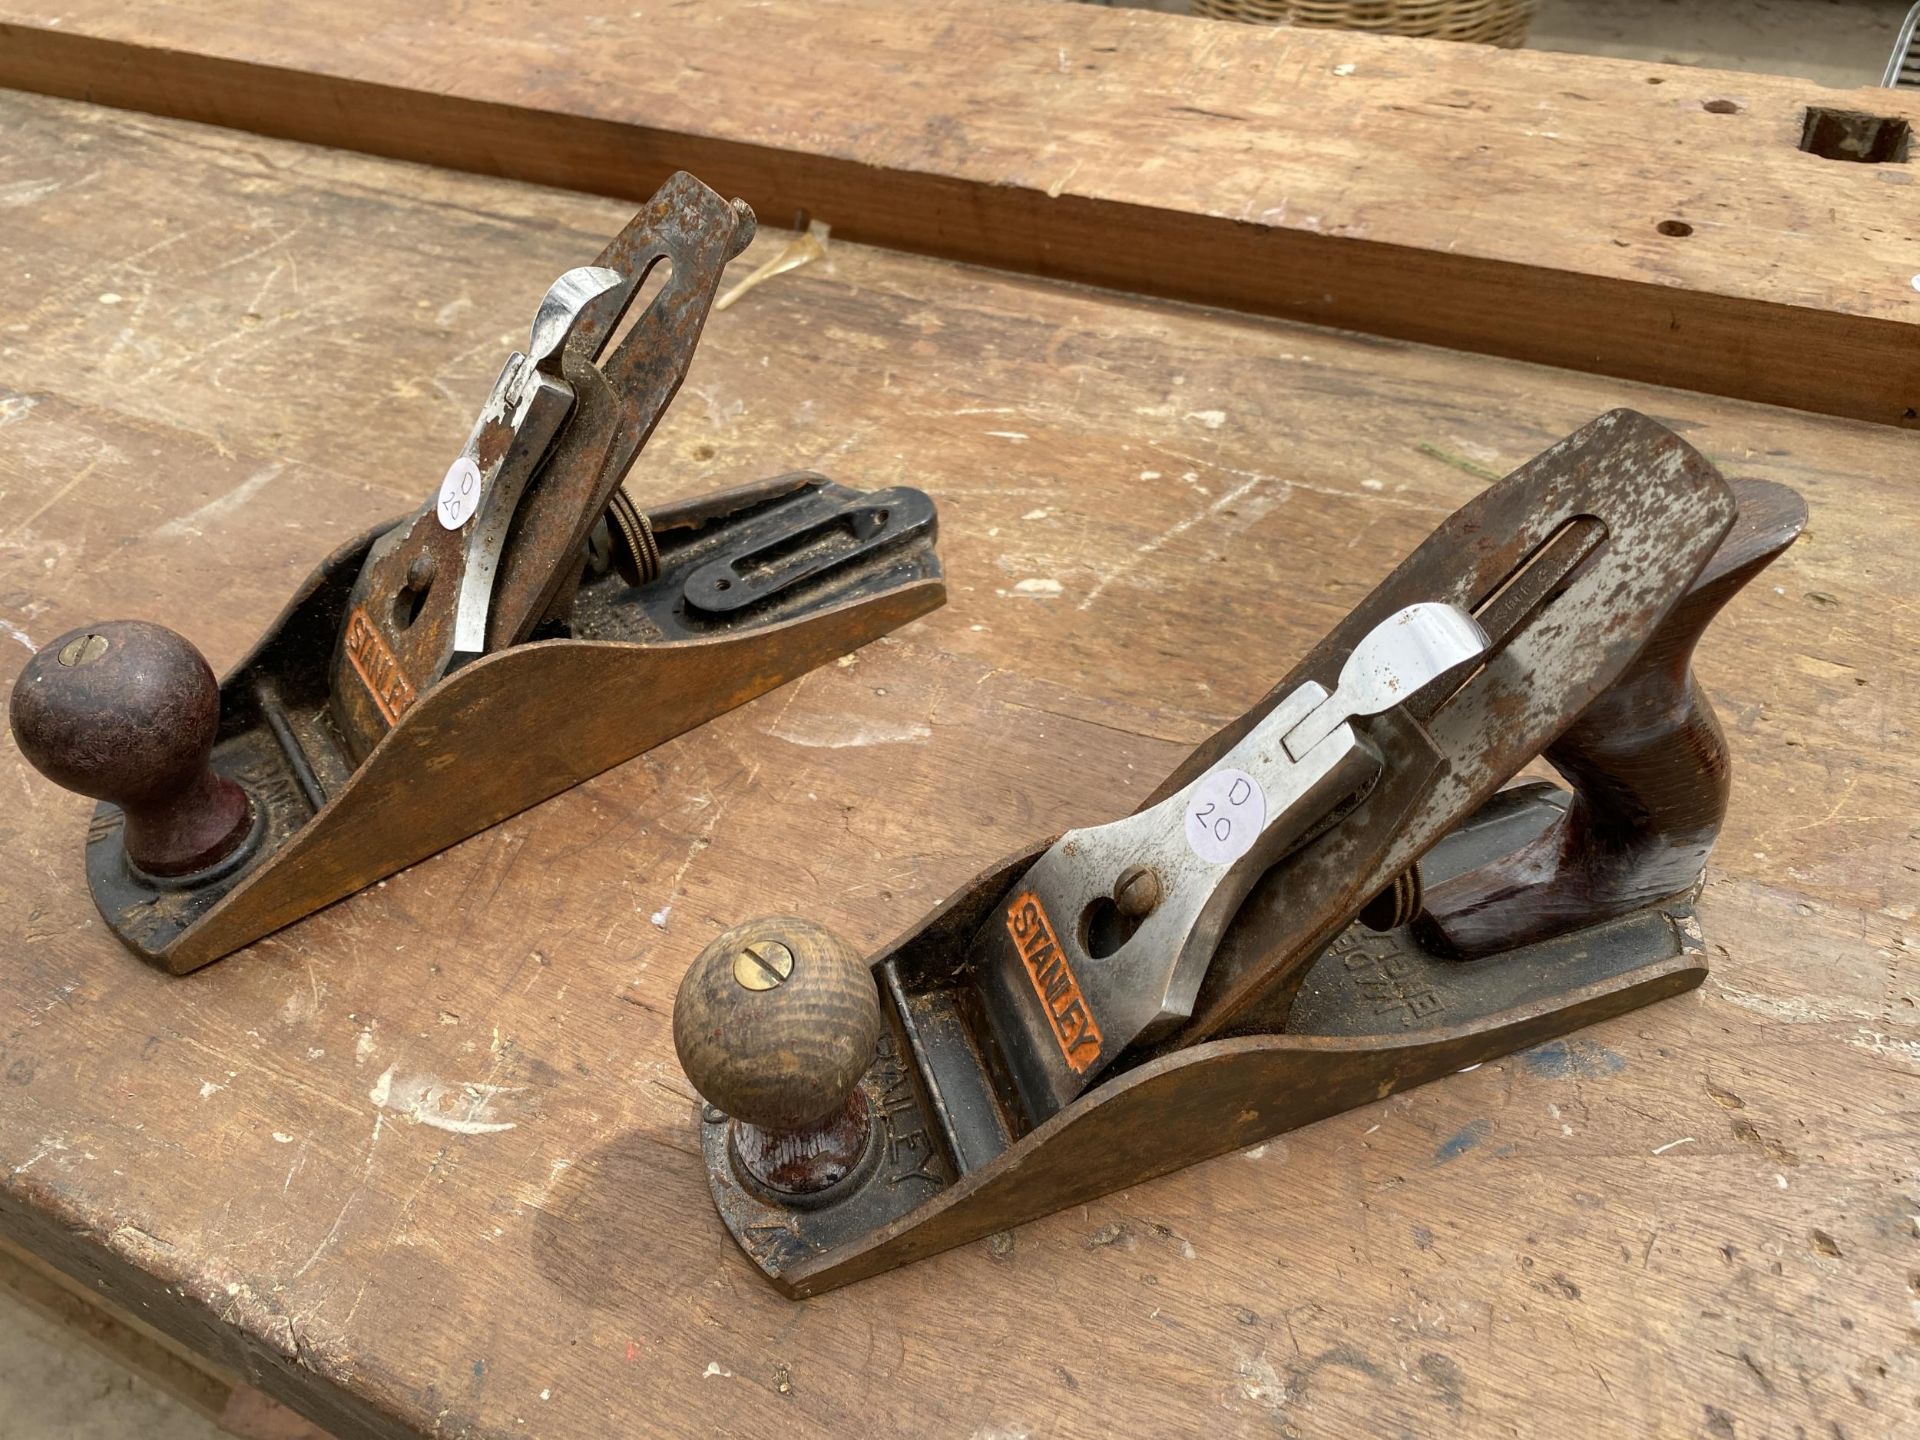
[[425, 1162]]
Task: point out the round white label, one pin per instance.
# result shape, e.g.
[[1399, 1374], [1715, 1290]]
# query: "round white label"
[[1225, 815], [459, 493]]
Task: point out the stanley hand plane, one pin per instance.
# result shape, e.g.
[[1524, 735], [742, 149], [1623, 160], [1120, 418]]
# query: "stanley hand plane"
[[1333, 899], [528, 627]]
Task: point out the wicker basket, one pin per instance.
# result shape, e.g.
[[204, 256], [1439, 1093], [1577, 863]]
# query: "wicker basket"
[[1492, 22]]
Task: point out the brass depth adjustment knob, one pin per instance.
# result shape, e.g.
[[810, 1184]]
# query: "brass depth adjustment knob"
[[775, 1023], [127, 712]]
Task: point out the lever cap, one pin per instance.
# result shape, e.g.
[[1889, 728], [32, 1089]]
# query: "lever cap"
[[127, 712], [776, 1021]]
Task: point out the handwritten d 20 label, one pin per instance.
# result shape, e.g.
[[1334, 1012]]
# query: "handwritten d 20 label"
[[1225, 815]]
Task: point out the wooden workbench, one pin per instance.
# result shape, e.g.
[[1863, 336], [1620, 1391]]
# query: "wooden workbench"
[[1652, 222], [220, 354]]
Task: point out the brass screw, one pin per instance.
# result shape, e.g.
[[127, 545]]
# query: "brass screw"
[[763, 965], [1399, 903], [83, 650], [1137, 892]]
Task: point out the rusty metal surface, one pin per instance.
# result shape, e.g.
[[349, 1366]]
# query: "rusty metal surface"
[[1070, 984], [904, 1166], [1649, 770], [288, 771], [369, 728], [790, 1165], [1573, 565], [1666, 511], [695, 232], [399, 638], [489, 740], [1378, 1015]]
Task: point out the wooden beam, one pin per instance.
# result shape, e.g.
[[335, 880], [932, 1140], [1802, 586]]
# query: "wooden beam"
[[1517, 204]]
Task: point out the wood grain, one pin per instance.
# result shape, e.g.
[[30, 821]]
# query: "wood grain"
[[425, 1163], [1654, 222]]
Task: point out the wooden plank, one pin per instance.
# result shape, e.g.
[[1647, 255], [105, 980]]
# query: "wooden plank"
[[220, 354], [1501, 202]]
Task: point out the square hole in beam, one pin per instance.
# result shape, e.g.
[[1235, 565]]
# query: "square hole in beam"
[[1855, 135]]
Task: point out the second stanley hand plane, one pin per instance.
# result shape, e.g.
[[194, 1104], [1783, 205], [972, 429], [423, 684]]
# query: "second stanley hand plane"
[[526, 628], [1331, 900]]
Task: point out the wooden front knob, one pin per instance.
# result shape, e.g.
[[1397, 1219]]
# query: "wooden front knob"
[[776, 1022], [127, 712]]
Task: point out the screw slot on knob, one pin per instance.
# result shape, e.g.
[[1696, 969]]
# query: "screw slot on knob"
[[127, 712], [775, 1023]]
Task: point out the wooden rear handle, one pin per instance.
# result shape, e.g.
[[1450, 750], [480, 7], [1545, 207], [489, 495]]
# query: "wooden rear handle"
[[1649, 772]]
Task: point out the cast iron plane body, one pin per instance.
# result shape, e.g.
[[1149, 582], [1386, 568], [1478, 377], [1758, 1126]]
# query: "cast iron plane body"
[[1037, 1051], [524, 630]]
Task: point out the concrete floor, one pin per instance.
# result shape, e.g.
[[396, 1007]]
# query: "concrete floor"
[[1834, 42], [55, 1387]]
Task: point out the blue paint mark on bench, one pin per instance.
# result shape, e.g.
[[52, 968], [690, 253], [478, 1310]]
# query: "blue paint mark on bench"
[[1469, 1137], [1574, 1059]]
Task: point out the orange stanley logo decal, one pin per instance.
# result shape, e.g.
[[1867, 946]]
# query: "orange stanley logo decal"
[[377, 668], [1053, 981]]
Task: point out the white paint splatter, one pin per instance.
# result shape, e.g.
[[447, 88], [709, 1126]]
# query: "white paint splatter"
[[18, 634], [1792, 1011], [109, 298], [47, 1147], [214, 509], [1212, 419], [1015, 436], [713, 1370], [15, 407], [1251, 481], [1262, 1384], [659, 917], [1670, 1145], [208, 1088], [1038, 587], [363, 1047], [1039, 514], [281, 1137], [25, 192], [463, 1109], [1888, 1047], [1343, 69], [845, 732]]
